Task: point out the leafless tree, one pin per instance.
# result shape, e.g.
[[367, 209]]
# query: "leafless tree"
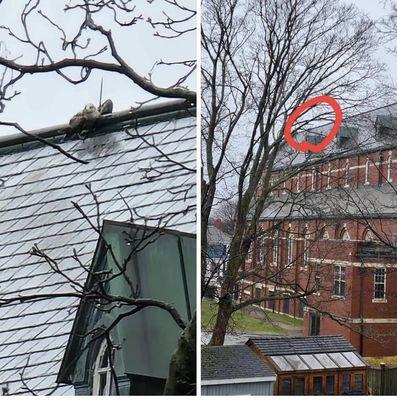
[[261, 60], [73, 53]]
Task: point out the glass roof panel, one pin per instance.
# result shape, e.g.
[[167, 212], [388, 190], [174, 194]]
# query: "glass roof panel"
[[296, 362], [340, 360], [311, 361], [324, 360], [281, 363], [354, 359]]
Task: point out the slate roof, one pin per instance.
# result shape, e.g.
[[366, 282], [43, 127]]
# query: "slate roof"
[[215, 236], [37, 187], [232, 362], [272, 346], [367, 139], [373, 200]]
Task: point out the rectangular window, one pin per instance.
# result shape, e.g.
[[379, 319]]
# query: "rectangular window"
[[317, 278], [290, 250], [286, 305], [346, 383], [358, 383], [299, 386], [314, 324], [318, 385], [258, 293], [339, 281], [330, 384], [286, 386], [380, 283], [275, 249], [271, 303]]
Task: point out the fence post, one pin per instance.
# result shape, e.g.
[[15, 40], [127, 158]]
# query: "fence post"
[[382, 379]]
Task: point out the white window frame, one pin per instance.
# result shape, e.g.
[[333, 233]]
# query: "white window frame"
[[317, 278], [389, 169], [290, 249], [298, 183], [329, 176], [379, 279], [347, 173], [275, 248], [306, 238], [261, 250], [339, 277], [345, 234], [366, 172], [313, 179], [98, 371]]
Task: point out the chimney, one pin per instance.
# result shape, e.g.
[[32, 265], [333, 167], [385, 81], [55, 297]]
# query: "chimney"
[[218, 224]]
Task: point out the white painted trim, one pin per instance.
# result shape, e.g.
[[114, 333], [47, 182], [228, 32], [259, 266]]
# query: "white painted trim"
[[352, 264], [374, 320], [239, 380]]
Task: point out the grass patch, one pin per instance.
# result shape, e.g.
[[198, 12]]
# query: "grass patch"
[[390, 361], [243, 322]]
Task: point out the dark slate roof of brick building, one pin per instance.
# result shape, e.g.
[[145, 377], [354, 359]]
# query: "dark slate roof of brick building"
[[272, 346], [232, 362], [37, 187]]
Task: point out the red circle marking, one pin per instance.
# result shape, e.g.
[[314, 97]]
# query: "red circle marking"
[[304, 145]]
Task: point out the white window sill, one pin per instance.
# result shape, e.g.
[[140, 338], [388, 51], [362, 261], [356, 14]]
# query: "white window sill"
[[379, 301], [336, 297]]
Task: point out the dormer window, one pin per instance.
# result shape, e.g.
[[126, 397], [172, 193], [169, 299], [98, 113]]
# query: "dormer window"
[[102, 382], [386, 126], [347, 136]]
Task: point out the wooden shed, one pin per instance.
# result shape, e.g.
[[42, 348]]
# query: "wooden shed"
[[313, 365], [234, 371]]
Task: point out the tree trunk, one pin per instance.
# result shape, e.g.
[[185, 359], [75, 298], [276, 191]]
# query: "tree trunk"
[[222, 320], [182, 373]]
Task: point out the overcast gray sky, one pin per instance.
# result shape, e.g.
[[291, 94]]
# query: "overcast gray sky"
[[49, 100]]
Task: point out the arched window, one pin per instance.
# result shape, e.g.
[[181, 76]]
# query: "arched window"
[[347, 173], [366, 172], [329, 176], [102, 382], [344, 234], [389, 169], [324, 233]]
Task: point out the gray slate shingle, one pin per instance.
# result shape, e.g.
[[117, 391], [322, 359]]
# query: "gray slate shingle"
[[231, 362], [272, 346], [35, 207]]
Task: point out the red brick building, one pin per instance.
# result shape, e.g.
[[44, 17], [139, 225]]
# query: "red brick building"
[[329, 232]]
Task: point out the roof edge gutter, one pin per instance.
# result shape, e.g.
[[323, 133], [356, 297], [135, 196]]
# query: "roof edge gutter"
[[102, 122]]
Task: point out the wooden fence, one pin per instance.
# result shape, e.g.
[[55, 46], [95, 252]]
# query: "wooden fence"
[[382, 380]]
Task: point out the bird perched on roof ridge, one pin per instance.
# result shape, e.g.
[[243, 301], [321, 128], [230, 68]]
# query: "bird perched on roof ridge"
[[106, 107], [83, 121]]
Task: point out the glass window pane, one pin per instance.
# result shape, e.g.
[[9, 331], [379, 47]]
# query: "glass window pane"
[[286, 386], [346, 383], [330, 383], [102, 384], [358, 383], [318, 385], [299, 386]]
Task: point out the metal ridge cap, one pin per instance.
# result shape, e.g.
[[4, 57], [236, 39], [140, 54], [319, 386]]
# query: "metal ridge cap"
[[105, 120]]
